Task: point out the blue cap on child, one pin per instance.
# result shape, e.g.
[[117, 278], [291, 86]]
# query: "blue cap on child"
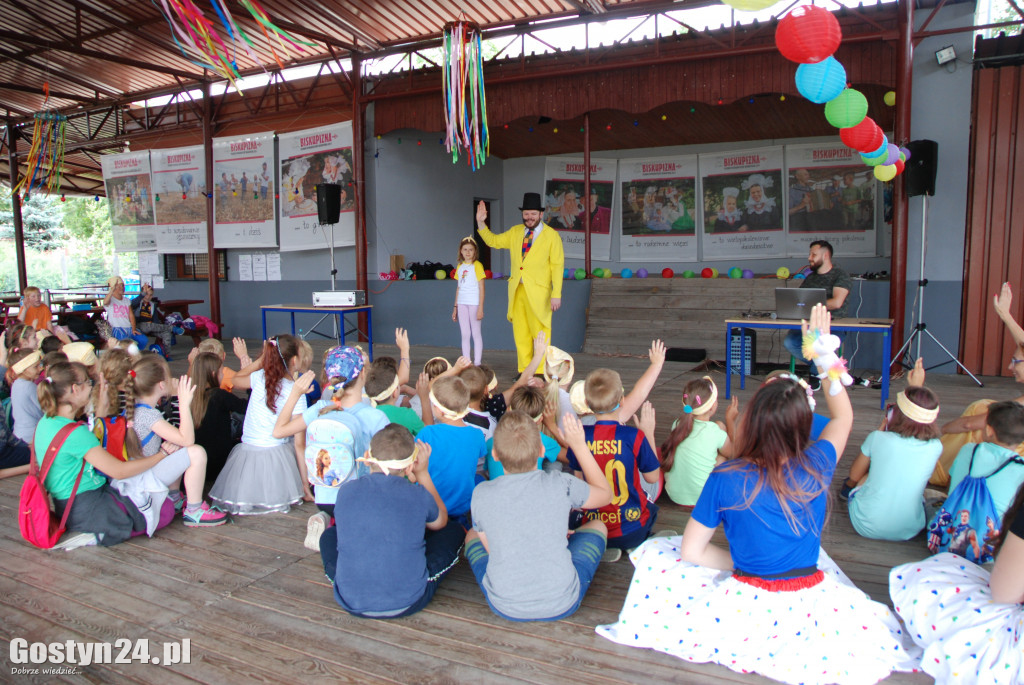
[[344, 363]]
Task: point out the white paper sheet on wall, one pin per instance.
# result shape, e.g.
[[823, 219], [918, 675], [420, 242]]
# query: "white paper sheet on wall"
[[245, 267], [274, 266], [158, 282], [259, 267]]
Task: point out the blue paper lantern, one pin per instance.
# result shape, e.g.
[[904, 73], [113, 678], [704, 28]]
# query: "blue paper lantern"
[[883, 149], [821, 81], [627, 273]]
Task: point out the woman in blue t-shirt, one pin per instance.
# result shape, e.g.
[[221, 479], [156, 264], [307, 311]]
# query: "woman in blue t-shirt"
[[774, 602]]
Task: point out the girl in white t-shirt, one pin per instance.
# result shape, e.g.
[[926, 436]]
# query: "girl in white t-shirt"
[[469, 298]]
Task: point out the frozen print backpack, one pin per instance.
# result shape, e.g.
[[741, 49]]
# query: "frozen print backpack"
[[968, 524], [333, 443]]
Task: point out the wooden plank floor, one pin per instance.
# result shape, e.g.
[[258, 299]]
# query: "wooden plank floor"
[[256, 605]]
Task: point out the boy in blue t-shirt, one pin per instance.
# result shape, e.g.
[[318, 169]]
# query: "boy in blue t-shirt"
[[393, 541], [625, 456], [455, 446], [1004, 431], [531, 402]]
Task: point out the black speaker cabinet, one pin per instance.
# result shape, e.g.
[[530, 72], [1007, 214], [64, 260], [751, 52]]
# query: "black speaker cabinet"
[[921, 167], [328, 203]]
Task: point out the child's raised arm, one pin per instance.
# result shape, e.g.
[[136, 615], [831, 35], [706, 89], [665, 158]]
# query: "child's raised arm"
[[402, 342], [600, 492], [286, 424], [540, 348], [1002, 303], [840, 410], [631, 403], [184, 435], [423, 390]]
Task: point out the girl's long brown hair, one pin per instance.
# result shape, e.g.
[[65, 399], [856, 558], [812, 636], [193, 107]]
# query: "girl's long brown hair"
[[275, 367], [468, 240], [697, 388], [203, 372], [146, 373], [774, 434], [114, 367], [58, 383]]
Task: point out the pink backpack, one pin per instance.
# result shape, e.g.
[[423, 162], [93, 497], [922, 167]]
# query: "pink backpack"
[[39, 526]]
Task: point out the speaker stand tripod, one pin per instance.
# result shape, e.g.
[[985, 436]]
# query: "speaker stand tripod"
[[334, 286], [921, 328]]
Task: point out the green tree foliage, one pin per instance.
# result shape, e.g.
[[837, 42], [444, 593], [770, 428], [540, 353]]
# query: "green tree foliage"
[[41, 221]]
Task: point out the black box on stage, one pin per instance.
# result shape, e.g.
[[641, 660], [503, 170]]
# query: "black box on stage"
[[748, 349], [328, 203], [685, 354]]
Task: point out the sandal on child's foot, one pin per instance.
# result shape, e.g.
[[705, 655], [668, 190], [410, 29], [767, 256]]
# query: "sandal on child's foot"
[[204, 516], [315, 527], [611, 555], [76, 540]]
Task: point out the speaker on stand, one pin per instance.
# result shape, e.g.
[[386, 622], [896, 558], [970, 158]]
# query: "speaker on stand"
[[328, 203]]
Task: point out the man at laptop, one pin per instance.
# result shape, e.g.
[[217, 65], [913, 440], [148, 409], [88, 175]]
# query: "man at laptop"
[[836, 283]]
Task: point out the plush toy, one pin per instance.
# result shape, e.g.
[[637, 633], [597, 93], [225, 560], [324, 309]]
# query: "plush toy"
[[821, 349]]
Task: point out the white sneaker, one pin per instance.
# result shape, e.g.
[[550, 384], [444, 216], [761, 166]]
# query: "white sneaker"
[[76, 540], [315, 527], [611, 555]]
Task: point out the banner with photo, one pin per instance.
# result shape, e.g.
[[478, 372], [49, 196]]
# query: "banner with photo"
[[129, 187], [308, 158], [565, 204], [659, 212], [743, 204], [244, 186], [179, 194], [831, 195]]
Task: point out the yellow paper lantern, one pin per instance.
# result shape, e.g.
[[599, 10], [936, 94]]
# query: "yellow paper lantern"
[[890, 98], [885, 172], [782, 272], [749, 5]]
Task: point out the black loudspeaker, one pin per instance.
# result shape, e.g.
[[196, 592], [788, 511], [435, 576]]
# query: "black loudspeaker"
[[328, 203], [921, 167]]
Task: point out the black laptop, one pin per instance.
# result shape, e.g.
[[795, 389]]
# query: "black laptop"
[[796, 303]]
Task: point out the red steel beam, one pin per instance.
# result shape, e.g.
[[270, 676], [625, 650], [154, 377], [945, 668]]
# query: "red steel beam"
[[213, 269], [904, 85], [358, 176]]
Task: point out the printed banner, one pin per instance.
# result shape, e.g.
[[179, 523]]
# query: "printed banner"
[[565, 204], [830, 196], [179, 185], [743, 214], [319, 155], [129, 195], [244, 190], [659, 213]]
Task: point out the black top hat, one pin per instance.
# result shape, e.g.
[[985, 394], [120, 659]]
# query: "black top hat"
[[531, 201]]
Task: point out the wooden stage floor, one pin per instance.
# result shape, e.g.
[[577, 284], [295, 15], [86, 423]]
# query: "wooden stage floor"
[[256, 606]]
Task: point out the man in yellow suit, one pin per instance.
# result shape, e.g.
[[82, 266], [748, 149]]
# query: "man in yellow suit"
[[535, 281]]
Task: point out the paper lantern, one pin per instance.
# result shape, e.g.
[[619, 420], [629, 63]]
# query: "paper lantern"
[[641, 273], [821, 81], [580, 274], [498, 274], [864, 137], [906, 153], [871, 161], [706, 272], [750, 5], [607, 273], [667, 273], [799, 276], [748, 273], [627, 273], [440, 275], [735, 272], [889, 98], [885, 172], [451, 274], [714, 272], [488, 273], [900, 166], [782, 272], [880, 151], [846, 109], [892, 155], [598, 272], [808, 34], [689, 274], [567, 272]]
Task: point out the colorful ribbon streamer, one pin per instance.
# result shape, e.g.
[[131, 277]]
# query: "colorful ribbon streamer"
[[46, 156], [465, 101]]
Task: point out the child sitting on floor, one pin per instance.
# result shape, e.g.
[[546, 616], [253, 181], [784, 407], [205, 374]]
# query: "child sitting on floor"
[[38, 315], [517, 548], [212, 409], [625, 456], [393, 541], [476, 382], [456, 448], [1004, 433], [888, 478], [25, 409], [214, 346], [531, 402], [382, 387], [696, 443]]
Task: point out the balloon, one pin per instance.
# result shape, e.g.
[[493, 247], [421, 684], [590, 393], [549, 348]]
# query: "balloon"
[[782, 272], [735, 272], [808, 34], [846, 109], [889, 98], [821, 81], [689, 274], [748, 273], [706, 272], [580, 274], [885, 172], [440, 275], [667, 273], [749, 5], [641, 273]]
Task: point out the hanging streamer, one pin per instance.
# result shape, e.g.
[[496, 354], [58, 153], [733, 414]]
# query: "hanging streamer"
[[46, 155], [465, 102]]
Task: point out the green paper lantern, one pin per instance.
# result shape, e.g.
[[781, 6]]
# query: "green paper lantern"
[[749, 5], [847, 109], [580, 274], [735, 272], [689, 274]]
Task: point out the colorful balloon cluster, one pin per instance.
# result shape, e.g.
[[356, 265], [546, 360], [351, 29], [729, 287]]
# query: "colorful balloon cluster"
[[809, 35]]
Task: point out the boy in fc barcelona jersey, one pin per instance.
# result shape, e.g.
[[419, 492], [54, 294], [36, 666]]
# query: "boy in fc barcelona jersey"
[[625, 456]]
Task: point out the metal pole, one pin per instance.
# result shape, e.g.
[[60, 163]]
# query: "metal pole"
[[211, 253], [921, 281], [586, 192], [19, 229], [358, 177], [898, 263]]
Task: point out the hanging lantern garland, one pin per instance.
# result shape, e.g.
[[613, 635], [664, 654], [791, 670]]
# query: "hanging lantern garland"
[[465, 102], [46, 156]]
